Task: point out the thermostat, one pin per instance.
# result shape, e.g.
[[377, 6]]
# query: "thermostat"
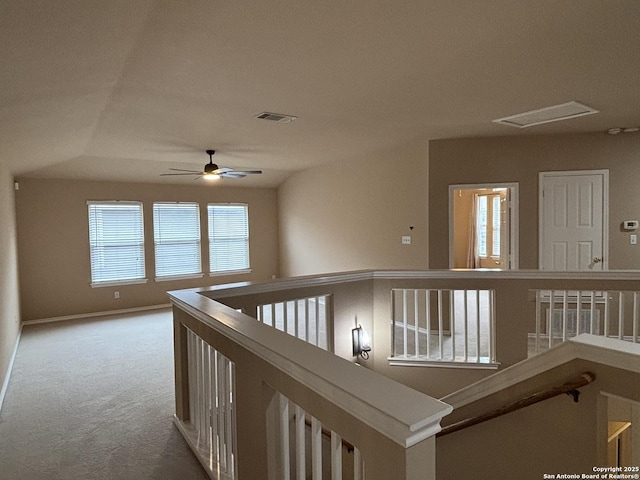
[[630, 224]]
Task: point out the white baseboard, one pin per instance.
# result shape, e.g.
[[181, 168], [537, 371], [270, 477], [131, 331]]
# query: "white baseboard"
[[96, 314], [7, 376]]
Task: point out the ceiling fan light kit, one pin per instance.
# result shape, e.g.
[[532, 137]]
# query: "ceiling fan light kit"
[[211, 171]]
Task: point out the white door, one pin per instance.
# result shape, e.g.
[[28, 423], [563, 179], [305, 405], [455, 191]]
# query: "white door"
[[573, 220]]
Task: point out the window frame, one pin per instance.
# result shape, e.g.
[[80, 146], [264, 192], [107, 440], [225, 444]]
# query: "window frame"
[[97, 244], [246, 267], [195, 241], [491, 230]]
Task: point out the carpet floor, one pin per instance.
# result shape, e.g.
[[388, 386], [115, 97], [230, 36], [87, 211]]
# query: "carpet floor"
[[93, 399]]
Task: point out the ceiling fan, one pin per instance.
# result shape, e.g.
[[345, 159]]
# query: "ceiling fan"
[[213, 172]]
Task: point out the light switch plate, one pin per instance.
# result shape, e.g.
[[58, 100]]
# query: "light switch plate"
[[406, 239], [633, 239]]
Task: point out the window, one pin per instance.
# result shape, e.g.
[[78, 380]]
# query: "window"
[[228, 237], [176, 233], [482, 226], [116, 242], [488, 227], [495, 231]]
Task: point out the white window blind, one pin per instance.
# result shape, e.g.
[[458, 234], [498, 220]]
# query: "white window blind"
[[176, 232], [496, 220], [228, 237], [116, 242]]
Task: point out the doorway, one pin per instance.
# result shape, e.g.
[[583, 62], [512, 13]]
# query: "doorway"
[[573, 220], [623, 442], [483, 226]]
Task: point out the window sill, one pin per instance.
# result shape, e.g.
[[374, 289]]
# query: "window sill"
[[116, 283], [229, 272], [484, 363], [170, 278]]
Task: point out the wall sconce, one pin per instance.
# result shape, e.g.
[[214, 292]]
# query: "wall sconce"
[[361, 342]]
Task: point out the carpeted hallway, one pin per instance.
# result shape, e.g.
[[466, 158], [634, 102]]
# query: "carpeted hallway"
[[93, 399]]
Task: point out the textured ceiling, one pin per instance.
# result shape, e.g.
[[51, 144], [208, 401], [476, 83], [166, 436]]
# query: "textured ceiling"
[[124, 90]]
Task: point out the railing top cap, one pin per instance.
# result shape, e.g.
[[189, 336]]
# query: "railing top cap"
[[404, 415], [246, 288]]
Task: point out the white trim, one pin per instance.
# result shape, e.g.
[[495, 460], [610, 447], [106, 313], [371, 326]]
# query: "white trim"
[[514, 231], [249, 288], [607, 351], [605, 209], [188, 276], [222, 273], [619, 275], [117, 283], [418, 362], [96, 314], [5, 383], [109, 202], [618, 397]]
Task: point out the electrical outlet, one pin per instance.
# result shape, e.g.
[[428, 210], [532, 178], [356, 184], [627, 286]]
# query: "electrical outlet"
[[116, 294], [406, 239]]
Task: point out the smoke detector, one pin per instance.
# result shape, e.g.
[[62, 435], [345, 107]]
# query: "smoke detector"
[[555, 113], [276, 117]]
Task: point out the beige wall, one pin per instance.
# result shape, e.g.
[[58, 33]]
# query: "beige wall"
[[520, 159], [352, 216], [53, 244], [9, 299], [553, 436]]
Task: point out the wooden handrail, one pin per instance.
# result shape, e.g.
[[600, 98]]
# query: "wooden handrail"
[[569, 388]]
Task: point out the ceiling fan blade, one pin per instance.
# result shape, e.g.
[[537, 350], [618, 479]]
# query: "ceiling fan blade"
[[174, 174], [183, 170], [222, 170], [233, 175], [248, 172]]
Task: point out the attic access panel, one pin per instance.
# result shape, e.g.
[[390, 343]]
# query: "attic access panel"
[[555, 113]]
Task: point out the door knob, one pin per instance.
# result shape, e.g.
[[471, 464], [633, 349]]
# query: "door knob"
[[597, 260]]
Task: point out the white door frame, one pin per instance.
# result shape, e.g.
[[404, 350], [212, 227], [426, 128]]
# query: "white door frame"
[[605, 209], [514, 260]]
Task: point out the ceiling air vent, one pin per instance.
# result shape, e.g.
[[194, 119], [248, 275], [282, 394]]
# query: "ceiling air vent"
[[556, 113], [276, 117]]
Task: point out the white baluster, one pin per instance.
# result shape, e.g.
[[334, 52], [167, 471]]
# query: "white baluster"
[[477, 296], [592, 310], [606, 314], [620, 315], [358, 465], [466, 327], [579, 313], [565, 314], [416, 324], [492, 325], [440, 324], [452, 323], [300, 444], [636, 320], [405, 321], [428, 311], [538, 320], [316, 449], [336, 456], [284, 437]]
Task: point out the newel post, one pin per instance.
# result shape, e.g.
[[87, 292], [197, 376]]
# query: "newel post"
[[181, 366]]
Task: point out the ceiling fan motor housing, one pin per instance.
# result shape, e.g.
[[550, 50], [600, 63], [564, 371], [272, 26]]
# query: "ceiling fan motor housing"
[[210, 168]]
